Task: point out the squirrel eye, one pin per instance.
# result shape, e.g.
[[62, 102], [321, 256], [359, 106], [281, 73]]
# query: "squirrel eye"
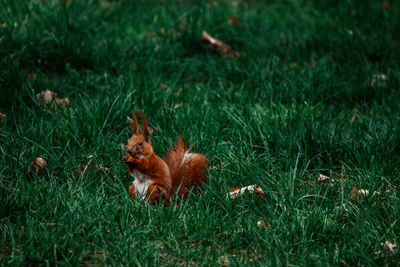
[[141, 143]]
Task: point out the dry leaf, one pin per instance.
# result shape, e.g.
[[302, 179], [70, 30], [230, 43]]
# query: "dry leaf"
[[237, 4], [91, 166], [389, 246], [95, 258], [322, 178], [130, 122], [233, 20], [48, 98], [262, 223], [354, 115], [104, 168], [224, 261], [38, 164], [385, 5], [45, 97], [105, 4], [255, 188], [218, 45], [32, 76], [389, 186], [62, 102], [378, 79], [359, 193], [2, 117]]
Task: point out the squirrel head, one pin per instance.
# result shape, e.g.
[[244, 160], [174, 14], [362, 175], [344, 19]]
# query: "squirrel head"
[[139, 145]]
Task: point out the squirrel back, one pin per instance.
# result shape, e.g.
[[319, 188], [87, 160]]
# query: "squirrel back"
[[187, 169], [158, 179]]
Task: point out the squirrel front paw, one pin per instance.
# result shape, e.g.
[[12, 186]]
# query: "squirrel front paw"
[[129, 159]]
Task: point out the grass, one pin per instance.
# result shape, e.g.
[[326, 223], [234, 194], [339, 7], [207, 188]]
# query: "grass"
[[268, 117]]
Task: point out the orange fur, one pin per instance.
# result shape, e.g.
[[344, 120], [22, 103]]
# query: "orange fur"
[[164, 177], [132, 191], [156, 169], [185, 174]]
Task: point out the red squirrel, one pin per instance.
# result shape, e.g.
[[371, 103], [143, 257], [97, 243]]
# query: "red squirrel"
[[158, 179]]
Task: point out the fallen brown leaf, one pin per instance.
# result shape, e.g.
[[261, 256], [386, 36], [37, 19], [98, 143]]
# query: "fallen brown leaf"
[[255, 188], [218, 45], [2, 117], [62, 102], [322, 178], [354, 115], [45, 97], [237, 4], [38, 164], [83, 168], [233, 20], [32, 76], [91, 167], [389, 246], [378, 79], [96, 258], [262, 224], [385, 5], [130, 122], [48, 99], [106, 4], [359, 193], [101, 167], [224, 260]]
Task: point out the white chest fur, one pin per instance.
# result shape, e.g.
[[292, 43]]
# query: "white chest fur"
[[141, 183]]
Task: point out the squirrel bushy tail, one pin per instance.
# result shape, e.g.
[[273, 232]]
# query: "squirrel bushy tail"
[[187, 169]]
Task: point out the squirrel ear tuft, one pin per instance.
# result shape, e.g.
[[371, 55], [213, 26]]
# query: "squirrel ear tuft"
[[135, 127], [146, 132]]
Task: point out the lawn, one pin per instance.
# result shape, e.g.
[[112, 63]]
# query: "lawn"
[[315, 91]]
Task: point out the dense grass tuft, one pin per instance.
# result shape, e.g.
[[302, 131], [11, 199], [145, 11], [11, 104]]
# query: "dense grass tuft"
[[315, 90]]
